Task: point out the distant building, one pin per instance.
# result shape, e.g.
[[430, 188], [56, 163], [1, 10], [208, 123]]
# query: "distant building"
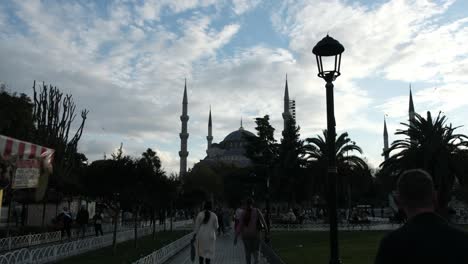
[[411, 119], [232, 149]]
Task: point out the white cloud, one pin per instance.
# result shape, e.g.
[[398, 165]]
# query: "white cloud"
[[128, 66], [396, 40], [129, 76], [242, 6], [438, 52]]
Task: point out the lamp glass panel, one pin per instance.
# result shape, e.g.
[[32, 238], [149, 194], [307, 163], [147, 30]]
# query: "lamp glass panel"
[[328, 63]]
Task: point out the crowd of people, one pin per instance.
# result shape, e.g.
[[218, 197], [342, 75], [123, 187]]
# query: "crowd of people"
[[425, 236], [65, 222]]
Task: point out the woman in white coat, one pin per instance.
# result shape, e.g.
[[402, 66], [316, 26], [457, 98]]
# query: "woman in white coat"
[[206, 225]]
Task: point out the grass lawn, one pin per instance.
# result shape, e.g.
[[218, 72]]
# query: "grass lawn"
[[357, 247], [313, 247], [126, 253]]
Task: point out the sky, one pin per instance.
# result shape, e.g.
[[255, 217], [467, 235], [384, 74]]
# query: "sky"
[[126, 61]]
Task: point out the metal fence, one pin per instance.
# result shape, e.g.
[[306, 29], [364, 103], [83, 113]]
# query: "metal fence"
[[17, 242], [345, 226], [342, 227], [60, 251], [164, 253]]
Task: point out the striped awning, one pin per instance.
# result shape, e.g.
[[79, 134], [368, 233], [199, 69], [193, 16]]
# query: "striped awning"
[[24, 150]]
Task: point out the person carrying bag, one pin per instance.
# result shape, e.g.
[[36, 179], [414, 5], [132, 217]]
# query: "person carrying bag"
[[204, 239], [250, 229]]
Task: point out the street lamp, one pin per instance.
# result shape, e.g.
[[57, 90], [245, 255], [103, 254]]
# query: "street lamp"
[[330, 49]]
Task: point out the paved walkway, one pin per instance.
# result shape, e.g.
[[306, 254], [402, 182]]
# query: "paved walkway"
[[226, 253]]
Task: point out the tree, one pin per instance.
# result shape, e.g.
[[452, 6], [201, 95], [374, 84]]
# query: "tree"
[[109, 181], [290, 161], [432, 145], [202, 177], [53, 115], [16, 113], [352, 169], [262, 149], [154, 187]]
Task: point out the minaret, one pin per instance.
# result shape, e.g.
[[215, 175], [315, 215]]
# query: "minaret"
[[411, 106], [183, 153], [286, 112], [411, 112], [385, 140], [209, 138]]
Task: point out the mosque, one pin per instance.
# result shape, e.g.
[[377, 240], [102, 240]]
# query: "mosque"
[[232, 148]]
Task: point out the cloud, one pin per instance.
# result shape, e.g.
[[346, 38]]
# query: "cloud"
[[126, 63], [129, 76], [243, 6], [151, 9], [437, 53], [420, 45]]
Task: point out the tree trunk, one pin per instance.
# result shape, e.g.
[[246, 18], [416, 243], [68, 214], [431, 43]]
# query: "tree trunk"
[[135, 222], [114, 237], [164, 218], [44, 204], [172, 217], [8, 216], [153, 219], [23, 214]]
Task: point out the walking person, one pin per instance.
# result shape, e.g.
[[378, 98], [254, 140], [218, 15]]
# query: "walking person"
[[65, 218], [237, 216], [250, 227], [219, 214], [82, 219], [426, 237], [97, 220], [206, 225]]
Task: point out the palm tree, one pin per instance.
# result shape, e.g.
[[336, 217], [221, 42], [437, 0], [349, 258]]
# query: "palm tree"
[[432, 145], [350, 166]]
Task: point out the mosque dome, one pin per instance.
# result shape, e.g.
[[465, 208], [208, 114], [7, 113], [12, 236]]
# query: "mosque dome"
[[239, 135]]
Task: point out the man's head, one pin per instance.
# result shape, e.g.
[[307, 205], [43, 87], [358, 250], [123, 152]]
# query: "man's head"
[[416, 191]]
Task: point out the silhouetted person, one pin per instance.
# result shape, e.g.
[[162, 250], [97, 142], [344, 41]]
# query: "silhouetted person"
[[97, 219], [250, 226], [220, 215], [82, 219], [426, 237], [206, 225], [65, 218]]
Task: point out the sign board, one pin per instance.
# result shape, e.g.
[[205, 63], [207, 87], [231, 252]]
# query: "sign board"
[[27, 174]]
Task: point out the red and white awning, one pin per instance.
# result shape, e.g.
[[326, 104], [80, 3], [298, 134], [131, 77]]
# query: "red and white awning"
[[24, 150]]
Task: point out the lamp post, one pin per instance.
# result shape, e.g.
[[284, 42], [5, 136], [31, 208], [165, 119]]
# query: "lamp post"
[[329, 47]]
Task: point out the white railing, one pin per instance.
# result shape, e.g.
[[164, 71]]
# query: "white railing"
[[64, 250], [325, 227], [164, 253], [9, 243], [16, 242]]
